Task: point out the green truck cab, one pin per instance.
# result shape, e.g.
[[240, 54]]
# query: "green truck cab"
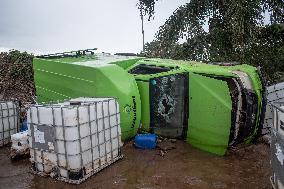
[[209, 106]]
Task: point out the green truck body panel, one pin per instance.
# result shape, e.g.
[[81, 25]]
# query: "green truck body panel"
[[72, 59], [143, 87], [126, 63], [227, 72], [58, 81], [209, 100], [209, 114]]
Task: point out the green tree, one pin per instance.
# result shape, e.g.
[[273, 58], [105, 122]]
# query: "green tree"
[[16, 76], [236, 32]]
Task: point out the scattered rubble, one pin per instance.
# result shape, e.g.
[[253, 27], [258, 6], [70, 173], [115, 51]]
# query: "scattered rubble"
[[164, 145]]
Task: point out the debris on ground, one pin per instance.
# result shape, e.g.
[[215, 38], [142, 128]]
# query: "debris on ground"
[[183, 167], [165, 144], [172, 140], [264, 139], [16, 155], [242, 150]]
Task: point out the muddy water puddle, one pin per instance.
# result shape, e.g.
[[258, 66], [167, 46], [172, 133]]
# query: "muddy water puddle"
[[182, 167]]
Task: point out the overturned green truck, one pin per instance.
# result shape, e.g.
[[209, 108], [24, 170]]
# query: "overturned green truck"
[[210, 106]]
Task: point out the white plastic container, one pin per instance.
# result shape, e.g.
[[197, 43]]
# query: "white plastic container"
[[20, 144], [277, 145], [275, 93], [278, 118], [9, 120], [75, 139]]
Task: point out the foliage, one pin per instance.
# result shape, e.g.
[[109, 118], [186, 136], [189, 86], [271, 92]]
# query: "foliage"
[[236, 32], [147, 7], [16, 76]]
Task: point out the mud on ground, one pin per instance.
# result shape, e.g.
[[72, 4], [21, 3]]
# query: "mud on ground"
[[182, 167]]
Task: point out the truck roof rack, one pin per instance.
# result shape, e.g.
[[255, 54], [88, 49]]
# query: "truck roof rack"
[[76, 53]]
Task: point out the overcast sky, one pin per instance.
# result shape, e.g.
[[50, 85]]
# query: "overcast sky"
[[42, 26]]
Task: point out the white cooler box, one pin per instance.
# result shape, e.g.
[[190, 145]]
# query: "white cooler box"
[[75, 139], [9, 120]]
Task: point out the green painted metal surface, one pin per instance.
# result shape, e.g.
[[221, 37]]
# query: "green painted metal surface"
[[126, 63], [209, 114], [210, 105], [143, 87], [59, 81]]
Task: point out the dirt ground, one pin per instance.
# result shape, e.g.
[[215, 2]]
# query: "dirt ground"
[[182, 167]]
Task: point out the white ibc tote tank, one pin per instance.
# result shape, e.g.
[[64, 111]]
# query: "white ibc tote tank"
[[75, 139], [9, 120], [278, 118], [277, 145]]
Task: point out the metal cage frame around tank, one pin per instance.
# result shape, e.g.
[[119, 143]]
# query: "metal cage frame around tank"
[[83, 176], [277, 106], [276, 138], [16, 116]]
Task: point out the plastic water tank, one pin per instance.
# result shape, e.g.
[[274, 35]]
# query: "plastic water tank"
[[74, 139], [9, 120]]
